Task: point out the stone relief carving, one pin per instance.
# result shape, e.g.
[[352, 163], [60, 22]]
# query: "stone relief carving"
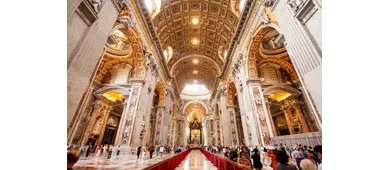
[[97, 127], [268, 3], [151, 62], [143, 124], [97, 5], [125, 18], [129, 116], [294, 4]]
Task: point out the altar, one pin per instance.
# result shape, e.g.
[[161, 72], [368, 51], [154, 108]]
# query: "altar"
[[195, 138]]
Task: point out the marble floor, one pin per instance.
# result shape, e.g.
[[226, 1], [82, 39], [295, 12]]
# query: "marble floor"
[[195, 160], [118, 163]]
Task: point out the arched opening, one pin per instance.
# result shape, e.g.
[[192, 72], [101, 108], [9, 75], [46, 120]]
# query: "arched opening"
[[105, 117], [268, 60], [195, 114], [233, 102]]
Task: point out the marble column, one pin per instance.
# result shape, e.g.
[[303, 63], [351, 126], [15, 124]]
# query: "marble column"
[[125, 133], [85, 50], [126, 105], [98, 108], [262, 116], [106, 116], [274, 131], [302, 120], [301, 28], [233, 125], [288, 120], [226, 126]]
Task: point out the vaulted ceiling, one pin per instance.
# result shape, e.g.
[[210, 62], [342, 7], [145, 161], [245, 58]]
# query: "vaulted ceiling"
[[195, 110], [195, 30]]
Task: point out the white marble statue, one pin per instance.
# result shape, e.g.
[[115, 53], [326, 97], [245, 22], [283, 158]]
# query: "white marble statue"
[[96, 4]]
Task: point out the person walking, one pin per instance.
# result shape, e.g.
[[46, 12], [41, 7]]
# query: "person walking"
[[161, 151], [256, 159], [151, 150]]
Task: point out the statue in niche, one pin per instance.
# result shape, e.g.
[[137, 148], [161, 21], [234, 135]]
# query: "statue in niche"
[[264, 19], [96, 5], [143, 124], [98, 126]]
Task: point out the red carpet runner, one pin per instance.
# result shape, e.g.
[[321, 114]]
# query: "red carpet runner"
[[171, 163], [222, 163]]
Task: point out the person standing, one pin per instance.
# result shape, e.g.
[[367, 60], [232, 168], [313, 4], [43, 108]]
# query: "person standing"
[[139, 151], [99, 150], [256, 159], [271, 154], [110, 151], [151, 150], [318, 151], [118, 150], [72, 158], [297, 155], [87, 149], [105, 149], [157, 150], [287, 149], [144, 152], [282, 158], [161, 151], [81, 150], [243, 160]]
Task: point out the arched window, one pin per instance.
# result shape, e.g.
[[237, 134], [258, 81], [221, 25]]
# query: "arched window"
[[118, 41], [153, 6], [241, 5]]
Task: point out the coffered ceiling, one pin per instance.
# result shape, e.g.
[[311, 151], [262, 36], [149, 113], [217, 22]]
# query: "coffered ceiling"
[[195, 27]]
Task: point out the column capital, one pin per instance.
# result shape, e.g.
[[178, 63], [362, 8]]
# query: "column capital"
[[137, 82]]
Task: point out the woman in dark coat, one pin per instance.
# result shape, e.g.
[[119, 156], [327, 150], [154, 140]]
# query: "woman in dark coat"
[[256, 160]]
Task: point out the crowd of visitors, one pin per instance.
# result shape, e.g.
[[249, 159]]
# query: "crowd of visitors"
[[106, 151], [279, 157]]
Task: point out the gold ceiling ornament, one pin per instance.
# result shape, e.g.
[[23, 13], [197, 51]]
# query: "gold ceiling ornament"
[[279, 95], [114, 96]]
